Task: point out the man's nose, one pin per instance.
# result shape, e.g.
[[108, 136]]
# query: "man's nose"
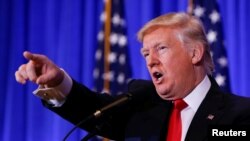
[[152, 60]]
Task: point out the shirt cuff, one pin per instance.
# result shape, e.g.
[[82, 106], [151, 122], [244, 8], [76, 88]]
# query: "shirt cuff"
[[55, 96]]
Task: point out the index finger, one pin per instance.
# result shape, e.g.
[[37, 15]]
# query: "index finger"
[[33, 57]]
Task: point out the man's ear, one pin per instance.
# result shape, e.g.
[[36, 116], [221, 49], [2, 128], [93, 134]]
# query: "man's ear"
[[197, 53]]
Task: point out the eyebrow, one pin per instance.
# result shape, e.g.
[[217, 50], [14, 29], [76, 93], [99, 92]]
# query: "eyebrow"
[[144, 49]]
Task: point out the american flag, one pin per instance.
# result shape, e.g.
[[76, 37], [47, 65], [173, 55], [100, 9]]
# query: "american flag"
[[112, 69], [208, 12]]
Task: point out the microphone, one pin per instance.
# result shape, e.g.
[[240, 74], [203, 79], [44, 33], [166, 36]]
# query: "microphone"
[[115, 103], [135, 95]]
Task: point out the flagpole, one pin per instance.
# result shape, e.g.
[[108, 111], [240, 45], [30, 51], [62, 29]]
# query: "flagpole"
[[190, 7], [107, 30]]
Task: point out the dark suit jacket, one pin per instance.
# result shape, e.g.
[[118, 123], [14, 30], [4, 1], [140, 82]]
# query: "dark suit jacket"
[[145, 117]]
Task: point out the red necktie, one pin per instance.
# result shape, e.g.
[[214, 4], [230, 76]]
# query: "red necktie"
[[174, 127]]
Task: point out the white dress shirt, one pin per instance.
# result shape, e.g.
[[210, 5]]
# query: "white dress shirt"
[[193, 100], [55, 95]]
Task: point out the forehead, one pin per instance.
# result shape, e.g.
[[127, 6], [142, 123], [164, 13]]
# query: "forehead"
[[161, 35]]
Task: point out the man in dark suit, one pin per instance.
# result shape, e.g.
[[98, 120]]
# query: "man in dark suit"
[[178, 59]]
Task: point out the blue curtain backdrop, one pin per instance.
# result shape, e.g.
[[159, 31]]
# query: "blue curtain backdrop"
[[65, 31]]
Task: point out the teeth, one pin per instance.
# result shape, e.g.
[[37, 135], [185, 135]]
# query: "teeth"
[[159, 78], [157, 75]]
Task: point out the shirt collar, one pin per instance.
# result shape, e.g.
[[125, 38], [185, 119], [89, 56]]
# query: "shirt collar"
[[195, 98]]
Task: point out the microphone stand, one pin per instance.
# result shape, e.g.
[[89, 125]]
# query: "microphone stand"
[[93, 133], [77, 125], [97, 114], [88, 136]]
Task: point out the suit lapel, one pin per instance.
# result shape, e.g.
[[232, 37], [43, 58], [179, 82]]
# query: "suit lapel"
[[207, 114]]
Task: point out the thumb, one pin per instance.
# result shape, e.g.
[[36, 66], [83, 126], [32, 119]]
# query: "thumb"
[[44, 79], [50, 79]]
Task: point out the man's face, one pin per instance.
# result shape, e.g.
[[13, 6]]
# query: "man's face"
[[169, 63]]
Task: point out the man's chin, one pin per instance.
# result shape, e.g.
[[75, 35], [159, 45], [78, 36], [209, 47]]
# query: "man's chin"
[[166, 94]]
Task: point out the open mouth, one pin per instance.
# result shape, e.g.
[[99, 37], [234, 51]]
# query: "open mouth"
[[157, 75]]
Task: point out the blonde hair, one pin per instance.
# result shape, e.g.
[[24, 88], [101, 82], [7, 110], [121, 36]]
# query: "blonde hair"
[[191, 30]]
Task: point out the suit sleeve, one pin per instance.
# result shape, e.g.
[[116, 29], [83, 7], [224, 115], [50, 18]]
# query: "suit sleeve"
[[82, 102]]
